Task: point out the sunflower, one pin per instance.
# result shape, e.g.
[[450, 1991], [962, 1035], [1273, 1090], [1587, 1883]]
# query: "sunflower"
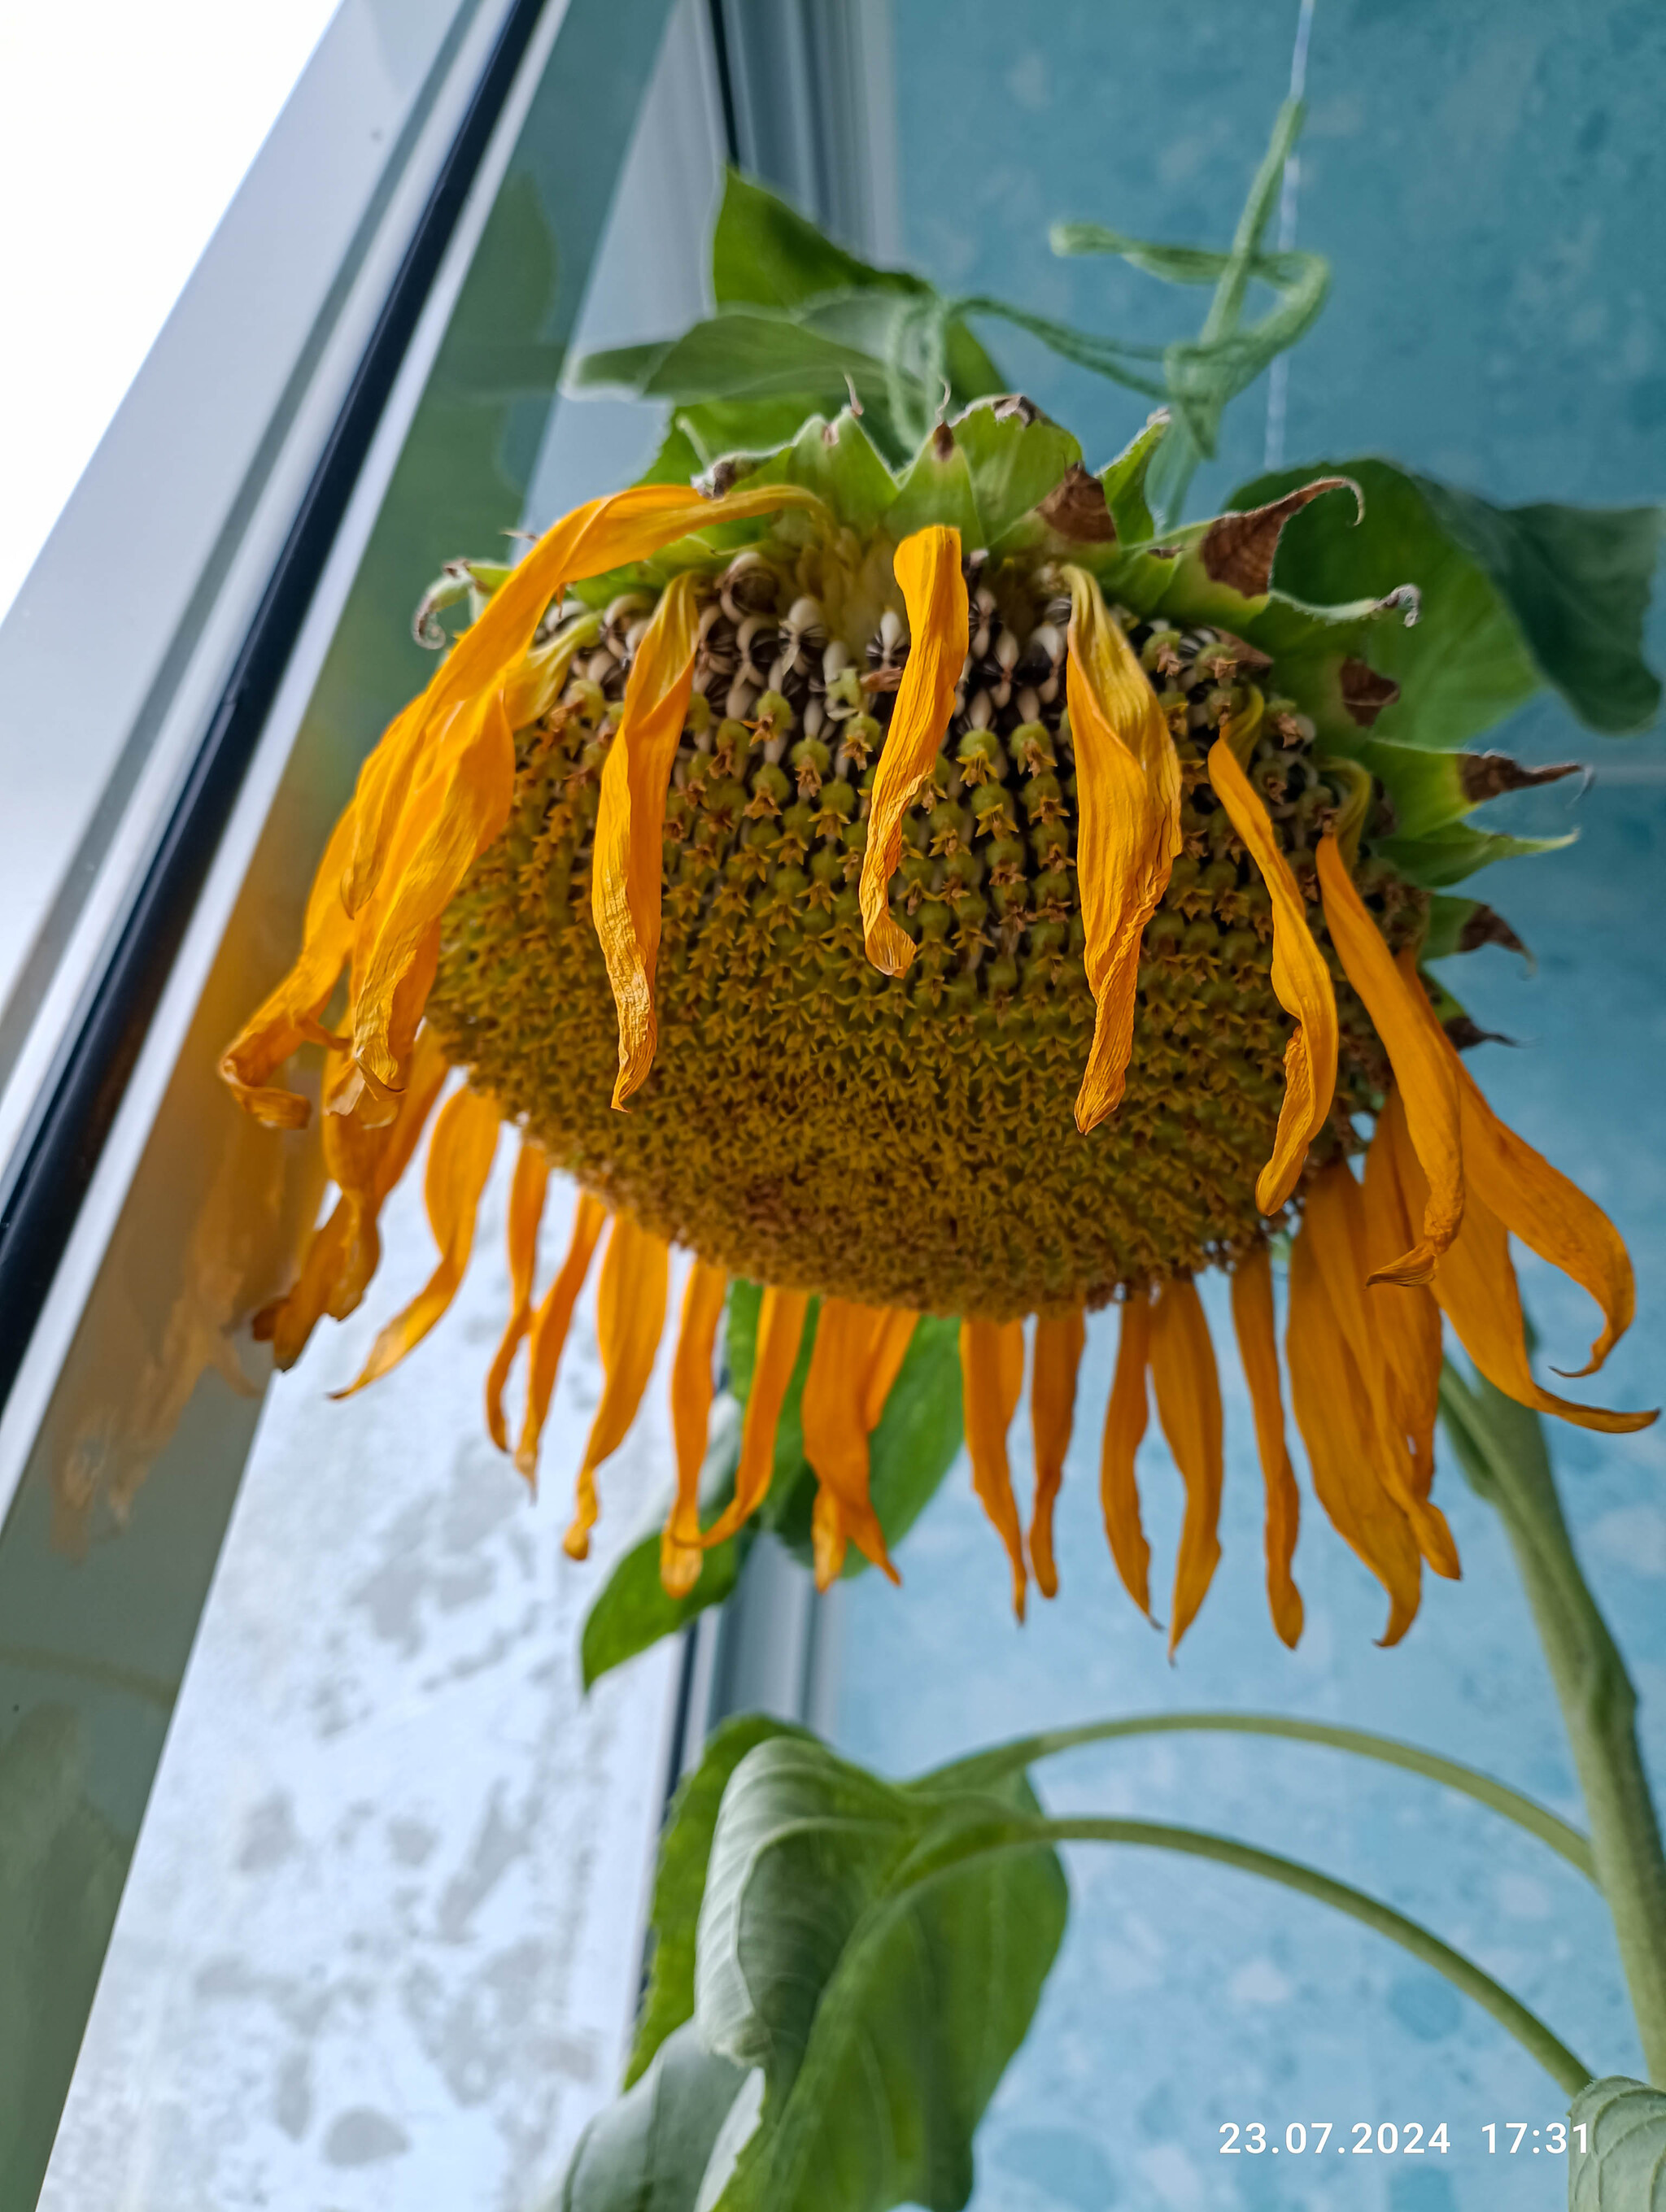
[[944, 895]]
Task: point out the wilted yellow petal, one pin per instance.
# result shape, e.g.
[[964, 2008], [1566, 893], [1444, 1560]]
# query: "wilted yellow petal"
[[1334, 1226], [1478, 1294], [526, 1191], [459, 1158], [1125, 1428], [1552, 1216], [991, 1378], [630, 1318], [1405, 1317], [681, 1555], [1054, 1365], [266, 1041], [1127, 827], [625, 872], [457, 812], [1422, 1070], [366, 1162], [781, 1316], [1333, 1416], [927, 568], [1188, 1385], [383, 787], [549, 1332], [1300, 980], [851, 1342], [1258, 1350]]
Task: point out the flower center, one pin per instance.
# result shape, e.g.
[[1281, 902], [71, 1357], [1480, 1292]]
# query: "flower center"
[[905, 1141]]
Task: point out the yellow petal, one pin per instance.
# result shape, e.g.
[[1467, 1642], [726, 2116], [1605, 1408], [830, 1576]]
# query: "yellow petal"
[[266, 1041], [1188, 1385], [1422, 1070], [1128, 828], [885, 1361], [927, 568], [378, 798], [287, 1323], [828, 1540], [630, 1319], [991, 1378], [527, 1192], [1301, 979], [680, 1553], [1552, 1216], [1478, 1294], [459, 1158], [1125, 1428], [1405, 1317], [458, 812], [549, 1332], [851, 1342], [1333, 1414], [368, 1162], [1333, 1225], [1055, 1362], [1258, 1350], [781, 1316], [629, 857]]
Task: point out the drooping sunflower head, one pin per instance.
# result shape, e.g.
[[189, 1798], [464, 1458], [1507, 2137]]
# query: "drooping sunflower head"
[[945, 896]]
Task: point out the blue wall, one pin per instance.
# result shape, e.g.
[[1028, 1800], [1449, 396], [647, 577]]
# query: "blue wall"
[[1488, 184]]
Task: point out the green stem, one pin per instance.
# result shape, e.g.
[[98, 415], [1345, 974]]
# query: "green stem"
[[1008, 1833], [1501, 1447], [985, 1767]]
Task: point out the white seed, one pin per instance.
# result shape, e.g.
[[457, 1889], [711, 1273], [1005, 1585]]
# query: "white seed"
[[834, 661], [1028, 704], [1046, 639], [815, 714], [980, 712], [743, 697], [891, 632], [1007, 651]]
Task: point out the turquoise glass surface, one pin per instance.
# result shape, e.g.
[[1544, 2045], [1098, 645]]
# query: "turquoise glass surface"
[[1488, 185]]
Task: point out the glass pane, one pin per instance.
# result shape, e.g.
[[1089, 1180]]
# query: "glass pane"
[[1485, 323]]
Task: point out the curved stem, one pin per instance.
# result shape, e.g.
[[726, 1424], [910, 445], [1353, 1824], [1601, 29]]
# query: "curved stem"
[[1006, 1832], [1501, 1448], [987, 1766]]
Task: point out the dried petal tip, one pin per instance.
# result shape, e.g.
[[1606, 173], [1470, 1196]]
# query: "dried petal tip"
[[1237, 550], [1075, 508], [1489, 776]]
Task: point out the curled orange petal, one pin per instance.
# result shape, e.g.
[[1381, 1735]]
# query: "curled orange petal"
[[928, 567], [991, 1378], [526, 1193], [1478, 1294], [1552, 1216], [1405, 1317], [1053, 1366], [1332, 1413], [276, 1030], [1300, 980], [839, 1391], [1188, 1387], [550, 1324], [780, 1319], [625, 872], [1128, 828], [1333, 1225], [1258, 1350], [630, 1318], [1125, 1427], [1422, 1071], [680, 1552], [459, 1158]]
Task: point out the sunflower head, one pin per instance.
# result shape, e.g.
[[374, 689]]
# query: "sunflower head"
[[933, 893]]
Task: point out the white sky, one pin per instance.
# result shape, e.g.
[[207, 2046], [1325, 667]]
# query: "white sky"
[[126, 128]]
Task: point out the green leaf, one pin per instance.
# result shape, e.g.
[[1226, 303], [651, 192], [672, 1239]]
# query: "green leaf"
[[1124, 481], [721, 427], [679, 460], [883, 2008], [765, 253], [1443, 938], [746, 354], [837, 461], [1426, 787], [632, 1611], [679, 1881], [1014, 464], [1577, 580], [1447, 856], [938, 487], [1465, 665], [1623, 2168], [647, 2151]]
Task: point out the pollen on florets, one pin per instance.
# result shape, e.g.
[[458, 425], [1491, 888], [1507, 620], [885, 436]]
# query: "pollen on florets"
[[905, 1141]]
